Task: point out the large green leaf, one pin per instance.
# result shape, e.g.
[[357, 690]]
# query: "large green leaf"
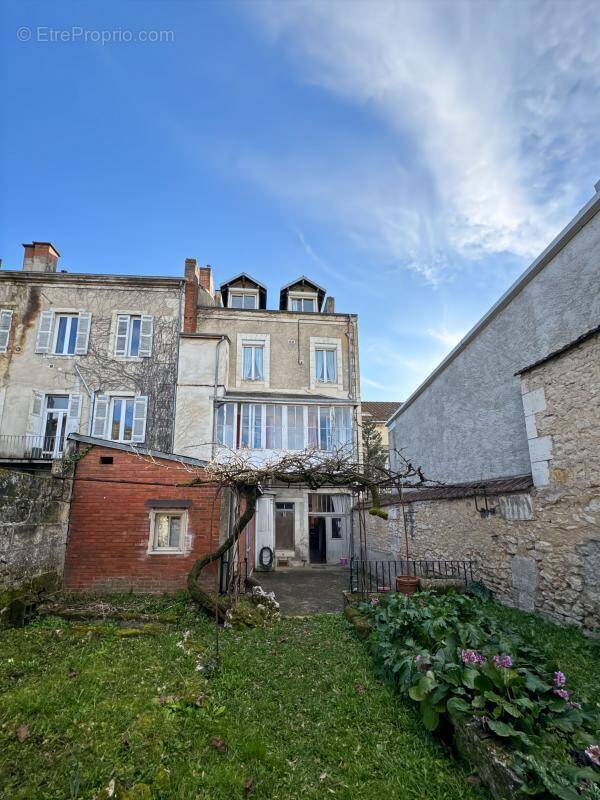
[[431, 718], [456, 705]]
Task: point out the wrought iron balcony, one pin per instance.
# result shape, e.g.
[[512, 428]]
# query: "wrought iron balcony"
[[31, 448]]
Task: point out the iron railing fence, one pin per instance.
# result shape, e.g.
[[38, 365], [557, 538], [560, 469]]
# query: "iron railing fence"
[[374, 576], [31, 447], [231, 579]]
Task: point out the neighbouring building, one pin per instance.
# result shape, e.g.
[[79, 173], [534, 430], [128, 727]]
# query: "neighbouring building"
[[510, 424], [379, 412], [140, 519], [92, 354], [258, 382]]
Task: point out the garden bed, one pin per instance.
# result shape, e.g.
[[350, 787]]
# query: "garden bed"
[[518, 716]]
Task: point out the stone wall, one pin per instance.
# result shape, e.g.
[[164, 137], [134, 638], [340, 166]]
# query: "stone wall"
[[540, 550], [34, 515]]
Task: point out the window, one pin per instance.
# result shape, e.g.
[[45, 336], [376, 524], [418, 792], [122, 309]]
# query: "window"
[[134, 335], [251, 427], [320, 503], [336, 528], [325, 366], [5, 325], [243, 300], [65, 337], [253, 362], [295, 427], [274, 427], [121, 419], [167, 531], [302, 304], [225, 424]]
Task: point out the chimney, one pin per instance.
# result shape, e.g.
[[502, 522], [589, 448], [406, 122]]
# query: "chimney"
[[40, 257], [190, 306], [330, 305], [205, 279]]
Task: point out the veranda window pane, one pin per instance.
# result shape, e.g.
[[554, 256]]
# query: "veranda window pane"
[[257, 427], [312, 426], [324, 429], [295, 427], [245, 433], [274, 427]]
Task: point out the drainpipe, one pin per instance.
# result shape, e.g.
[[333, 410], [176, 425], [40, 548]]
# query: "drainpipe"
[[178, 333], [214, 421]]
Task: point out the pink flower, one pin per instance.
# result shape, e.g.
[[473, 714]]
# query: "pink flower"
[[472, 657], [422, 662], [374, 601], [562, 693], [559, 678], [503, 661], [593, 753]]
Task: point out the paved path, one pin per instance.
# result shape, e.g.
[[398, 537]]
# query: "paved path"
[[306, 590]]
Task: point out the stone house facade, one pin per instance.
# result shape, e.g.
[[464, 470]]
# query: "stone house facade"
[[94, 354], [256, 382]]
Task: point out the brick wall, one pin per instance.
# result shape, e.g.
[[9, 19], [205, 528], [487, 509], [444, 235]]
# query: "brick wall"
[[109, 528]]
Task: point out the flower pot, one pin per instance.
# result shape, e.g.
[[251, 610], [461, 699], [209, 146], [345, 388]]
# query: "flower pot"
[[407, 584]]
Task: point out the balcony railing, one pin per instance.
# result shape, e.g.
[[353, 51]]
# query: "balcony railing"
[[31, 447]]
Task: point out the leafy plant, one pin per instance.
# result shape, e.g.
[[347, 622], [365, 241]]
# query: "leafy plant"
[[454, 659]]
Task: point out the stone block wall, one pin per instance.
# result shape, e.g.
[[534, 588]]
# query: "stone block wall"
[[34, 516]]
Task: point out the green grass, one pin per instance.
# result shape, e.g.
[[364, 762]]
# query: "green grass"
[[298, 705]]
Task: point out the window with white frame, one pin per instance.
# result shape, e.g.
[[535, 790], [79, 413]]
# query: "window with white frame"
[[226, 424], [65, 334], [250, 433], [253, 359], [295, 427], [167, 530], [243, 299], [274, 427], [134, 334], [325, 364], [5, 326], [302, 304], [120, 418]]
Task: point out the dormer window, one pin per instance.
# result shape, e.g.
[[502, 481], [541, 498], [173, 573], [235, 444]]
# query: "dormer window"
[[302, 303], [243, 299]]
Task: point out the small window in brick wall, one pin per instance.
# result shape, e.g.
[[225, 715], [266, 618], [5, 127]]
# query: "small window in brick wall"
[[167, 530]]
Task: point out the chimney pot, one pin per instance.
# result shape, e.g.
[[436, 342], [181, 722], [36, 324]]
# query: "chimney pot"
[[40, 257]]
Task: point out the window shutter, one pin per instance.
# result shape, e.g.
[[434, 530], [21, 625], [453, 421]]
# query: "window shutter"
[[5, 323], [140, 408], [100, 416], [74, 414], [121, 336], [44, 333], [146, 332], [34, 425], [83, 333]]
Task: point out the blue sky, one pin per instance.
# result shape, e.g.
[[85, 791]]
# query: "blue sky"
[[412, 157]]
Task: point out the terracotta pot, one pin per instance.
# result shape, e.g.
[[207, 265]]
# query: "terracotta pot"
[[407, 584]]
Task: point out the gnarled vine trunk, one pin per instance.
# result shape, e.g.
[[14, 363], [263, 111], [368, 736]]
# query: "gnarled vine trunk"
[[213, 604]]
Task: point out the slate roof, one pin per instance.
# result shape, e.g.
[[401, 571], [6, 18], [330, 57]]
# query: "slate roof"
[[379, 410], [455, 491]]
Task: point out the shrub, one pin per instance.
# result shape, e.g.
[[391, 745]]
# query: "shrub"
[[448, 655]]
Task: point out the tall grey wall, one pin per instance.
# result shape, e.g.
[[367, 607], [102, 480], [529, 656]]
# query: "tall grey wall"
[[468, 424], [34, 518]]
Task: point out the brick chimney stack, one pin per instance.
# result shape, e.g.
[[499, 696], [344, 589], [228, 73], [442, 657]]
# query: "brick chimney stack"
[[205, 279], [40, 257], [190, 305]]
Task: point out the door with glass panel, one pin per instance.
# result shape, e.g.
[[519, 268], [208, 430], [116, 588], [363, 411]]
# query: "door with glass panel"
[[328, 528], [284, 526], [54, 426]]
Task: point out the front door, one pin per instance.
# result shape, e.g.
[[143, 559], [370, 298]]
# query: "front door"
[[284, 526], [317, 539], [57, 408]]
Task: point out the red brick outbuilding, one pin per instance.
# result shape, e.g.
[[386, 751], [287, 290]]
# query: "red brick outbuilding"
[[137, 523]]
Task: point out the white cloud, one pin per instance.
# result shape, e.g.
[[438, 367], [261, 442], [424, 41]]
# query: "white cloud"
[[448, 338], [497, 103]]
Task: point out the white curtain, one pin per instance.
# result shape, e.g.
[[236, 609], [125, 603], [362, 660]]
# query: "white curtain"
[[247, 365], [330, 376], [320, 365], [258, 363]]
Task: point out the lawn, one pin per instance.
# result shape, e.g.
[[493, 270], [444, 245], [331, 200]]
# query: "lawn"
[[291, 712]]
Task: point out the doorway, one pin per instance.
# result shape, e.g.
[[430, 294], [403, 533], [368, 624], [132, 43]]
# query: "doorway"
[[317, 539], [55, 423], [284, 526]]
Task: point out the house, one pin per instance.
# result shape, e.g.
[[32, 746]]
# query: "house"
[[509, 423], [256, 382], [141, 518], [379, 412], [84, 353]]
